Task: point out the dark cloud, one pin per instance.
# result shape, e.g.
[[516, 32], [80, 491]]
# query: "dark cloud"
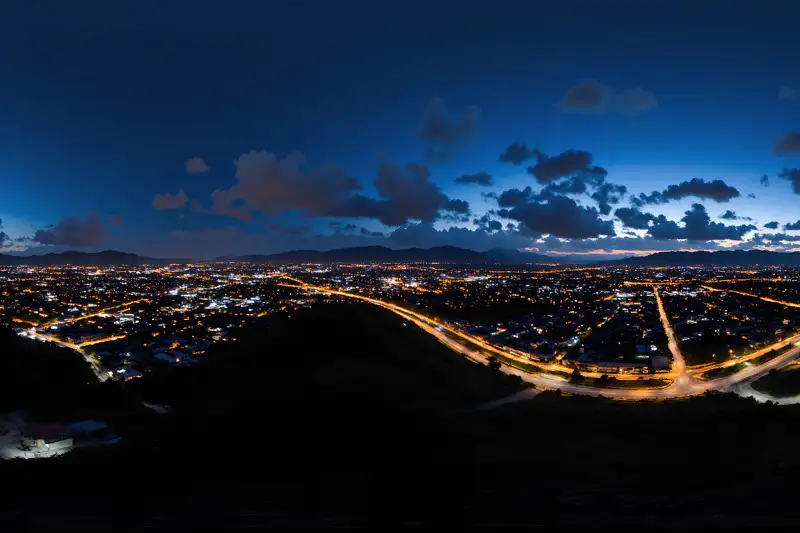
[[635, 101], [764, 180], [514, 197], [654, 198], [5, 240], [481, 178], [438, 126], [196, 165], [792, 226], [751, 196], [576, 163], [778, 237], [559, 216], [74, 232], [591, 96], [167, 201], [632, 217], [716, 190], [793, 175], [517, 153], [487, 223], [608, 194], [406, 192], [730, 215], [772, 225], [788, 93], [788, 144], [571, 185], [115, 220], [289, 230], [271, 185], [697, 227]]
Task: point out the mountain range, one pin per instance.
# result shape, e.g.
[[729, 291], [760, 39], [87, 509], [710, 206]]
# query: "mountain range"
[[721, 258], [105, 258], [439, 254]]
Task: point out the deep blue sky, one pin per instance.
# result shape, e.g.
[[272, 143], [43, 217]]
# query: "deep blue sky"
[[103, 102]]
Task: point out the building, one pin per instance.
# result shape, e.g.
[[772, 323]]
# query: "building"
[[46, 439]]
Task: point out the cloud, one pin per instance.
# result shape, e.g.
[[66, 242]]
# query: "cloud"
[[196, 165], [481, 178], [633, 218], [793, 175], [772, 225], [697, 227], [167, 201], [570, 163], [438, 126], [405, 192], [792, 226], [516, 153], [271, 186], [368, 233], [788, 93], [115, 220], [788, 144], [730, 215], [559, 216], [513, 197], [751, 196], [571, 185], [608, 194], [764, 180], [635, 101], [5, 240], [74, 232], [591, 96], [654, 198], [716, 190]]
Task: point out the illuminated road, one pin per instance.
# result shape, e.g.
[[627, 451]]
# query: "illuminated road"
[[101, 376], [683, 385], [751, 295], [678, 363]]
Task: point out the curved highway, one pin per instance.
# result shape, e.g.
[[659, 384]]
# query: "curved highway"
[[683, 384]]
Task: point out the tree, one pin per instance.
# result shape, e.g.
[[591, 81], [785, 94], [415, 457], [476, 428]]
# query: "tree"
[[494, 363], [576, 376]]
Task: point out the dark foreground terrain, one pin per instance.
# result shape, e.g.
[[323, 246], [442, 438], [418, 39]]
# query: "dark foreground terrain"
[[342, 416]]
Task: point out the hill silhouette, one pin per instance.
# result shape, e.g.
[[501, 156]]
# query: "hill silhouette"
[[341, 416]]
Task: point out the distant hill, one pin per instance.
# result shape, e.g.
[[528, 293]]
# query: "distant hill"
[[381, 254], [721, 258], [105, 258]]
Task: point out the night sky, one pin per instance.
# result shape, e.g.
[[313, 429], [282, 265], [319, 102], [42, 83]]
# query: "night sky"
[[197, 129]]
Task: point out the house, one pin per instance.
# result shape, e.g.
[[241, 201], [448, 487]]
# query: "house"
[[125, 373], [46, 439]]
